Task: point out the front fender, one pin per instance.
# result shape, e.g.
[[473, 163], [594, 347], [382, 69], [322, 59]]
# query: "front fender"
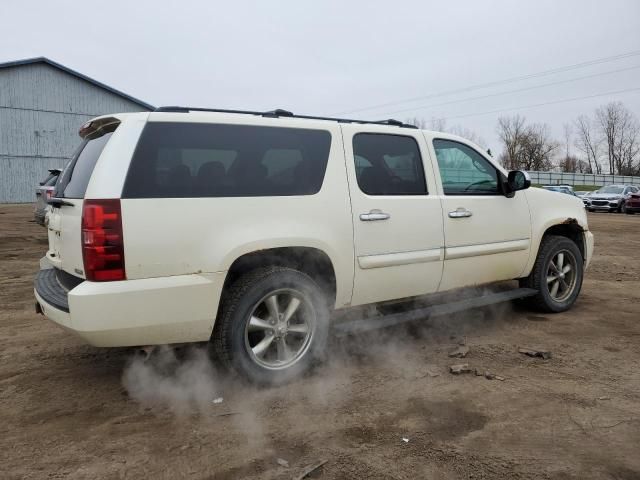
[[549, 209]]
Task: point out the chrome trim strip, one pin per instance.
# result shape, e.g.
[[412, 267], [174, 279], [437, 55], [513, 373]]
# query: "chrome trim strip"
[[464, 251], [400, 258]]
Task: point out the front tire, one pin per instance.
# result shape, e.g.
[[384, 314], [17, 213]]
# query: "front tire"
[[557, 275], [273, 325]]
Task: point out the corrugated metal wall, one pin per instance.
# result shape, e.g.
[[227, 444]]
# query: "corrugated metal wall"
[[41, 110]]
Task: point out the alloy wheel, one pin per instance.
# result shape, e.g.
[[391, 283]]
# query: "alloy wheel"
[[561, 275], [280, 329]]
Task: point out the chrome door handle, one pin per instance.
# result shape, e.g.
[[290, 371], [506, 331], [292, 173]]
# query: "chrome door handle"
[[374, 215], [460, 212]]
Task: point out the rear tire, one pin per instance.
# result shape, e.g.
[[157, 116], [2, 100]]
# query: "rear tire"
[[557, 275], [273, 325]]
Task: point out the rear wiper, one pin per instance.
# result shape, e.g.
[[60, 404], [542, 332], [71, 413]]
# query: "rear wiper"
[[59, 202]]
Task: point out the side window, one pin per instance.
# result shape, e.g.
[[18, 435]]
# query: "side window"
[[187, 160], [388, 165], [464, 171]]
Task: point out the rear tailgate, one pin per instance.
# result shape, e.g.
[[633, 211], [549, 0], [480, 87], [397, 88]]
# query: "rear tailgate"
[[65, 249], [65, 217]]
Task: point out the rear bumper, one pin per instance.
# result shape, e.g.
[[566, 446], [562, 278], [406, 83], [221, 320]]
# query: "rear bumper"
[[153, 311]]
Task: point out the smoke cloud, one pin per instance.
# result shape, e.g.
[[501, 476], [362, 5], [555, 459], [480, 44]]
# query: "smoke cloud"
[[165, 381]]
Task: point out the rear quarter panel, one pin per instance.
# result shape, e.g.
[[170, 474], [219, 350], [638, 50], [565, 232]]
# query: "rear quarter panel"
[[178, 236]]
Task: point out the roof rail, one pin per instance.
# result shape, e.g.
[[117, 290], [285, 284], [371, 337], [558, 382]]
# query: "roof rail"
[[284, 113]]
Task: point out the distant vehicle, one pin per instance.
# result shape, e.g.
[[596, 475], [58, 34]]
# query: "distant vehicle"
[[610, 198], [44, 192], [632, 202], [561, 189], [584, 195]]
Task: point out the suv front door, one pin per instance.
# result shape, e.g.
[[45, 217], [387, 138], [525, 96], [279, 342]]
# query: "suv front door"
[[397, 218], [487, 235]]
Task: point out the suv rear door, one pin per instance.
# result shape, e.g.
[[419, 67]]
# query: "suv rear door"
[[396, 216], [65, 217]]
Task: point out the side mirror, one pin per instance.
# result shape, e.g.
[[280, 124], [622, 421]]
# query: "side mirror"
[[518, 180]]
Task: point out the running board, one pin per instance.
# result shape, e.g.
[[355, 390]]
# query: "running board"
[[374, 323]]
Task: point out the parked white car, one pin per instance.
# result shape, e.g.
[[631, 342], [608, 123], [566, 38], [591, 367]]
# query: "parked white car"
[[250, 229]]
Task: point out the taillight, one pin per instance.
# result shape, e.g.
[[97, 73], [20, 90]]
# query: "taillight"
[[102, 241]]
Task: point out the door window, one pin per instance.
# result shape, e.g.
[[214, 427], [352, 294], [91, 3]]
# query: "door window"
[[388, 164], [464, 171]]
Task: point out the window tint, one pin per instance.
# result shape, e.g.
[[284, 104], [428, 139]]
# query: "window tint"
[[464, 171], [180, 160], [75, 177], [388, 165]]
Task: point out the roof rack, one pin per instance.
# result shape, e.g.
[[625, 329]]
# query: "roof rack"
[[285, 113]]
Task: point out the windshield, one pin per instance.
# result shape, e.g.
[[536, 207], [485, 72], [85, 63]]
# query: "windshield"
[[611, 189]]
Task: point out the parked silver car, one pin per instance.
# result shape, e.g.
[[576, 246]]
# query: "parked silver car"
[[610, 198], [43, 192]]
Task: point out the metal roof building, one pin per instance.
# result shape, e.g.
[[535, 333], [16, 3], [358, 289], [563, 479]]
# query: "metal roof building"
[[42, 106]]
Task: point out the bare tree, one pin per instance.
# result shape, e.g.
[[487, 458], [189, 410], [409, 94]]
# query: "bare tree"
[[620, 130], [418, 122], [568, 135], [464, 132], [538, 148], [511, 131], [440, 125], [568, 163], [588, 143], [527, 147]]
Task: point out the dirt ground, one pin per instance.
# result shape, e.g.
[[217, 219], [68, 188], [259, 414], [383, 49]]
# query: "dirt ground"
[[66, 412]]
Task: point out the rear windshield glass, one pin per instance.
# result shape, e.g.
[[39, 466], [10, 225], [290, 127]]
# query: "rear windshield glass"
[[51, 181], [75, 177], [178, 160]]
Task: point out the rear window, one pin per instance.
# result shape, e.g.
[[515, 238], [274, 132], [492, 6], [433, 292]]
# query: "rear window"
[[51, 181], [75, 177], [181, 160]]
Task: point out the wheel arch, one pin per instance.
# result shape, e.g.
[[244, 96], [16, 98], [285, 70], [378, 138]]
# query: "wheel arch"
[[570, 228], [312, 261]]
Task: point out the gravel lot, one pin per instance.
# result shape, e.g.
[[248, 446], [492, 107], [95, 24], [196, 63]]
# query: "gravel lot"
[[72, 411]]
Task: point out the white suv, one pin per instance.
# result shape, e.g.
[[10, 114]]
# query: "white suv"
[[249, 229]]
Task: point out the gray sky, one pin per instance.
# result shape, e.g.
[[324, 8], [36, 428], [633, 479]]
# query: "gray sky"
[[332, 57]]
